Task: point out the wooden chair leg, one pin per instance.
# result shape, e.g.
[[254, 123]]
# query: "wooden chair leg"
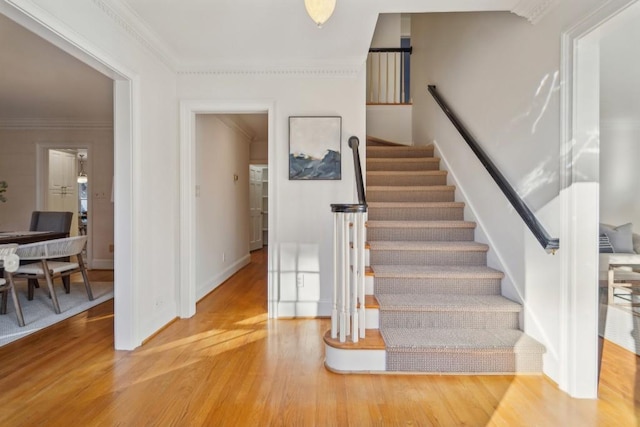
[[52, 291], [66, 282], [85, 277], [31, 284], [3, 304], [16, 302]]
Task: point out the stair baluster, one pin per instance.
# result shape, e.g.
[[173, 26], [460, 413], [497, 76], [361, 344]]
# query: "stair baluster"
[[348, 313]]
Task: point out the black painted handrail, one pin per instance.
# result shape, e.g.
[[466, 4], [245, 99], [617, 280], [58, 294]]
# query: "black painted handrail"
[[549, 243], [361, 206]]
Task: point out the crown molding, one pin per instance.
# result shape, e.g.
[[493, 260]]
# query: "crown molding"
[[127, 19], [326, 72], [28, 123], [533, 10]]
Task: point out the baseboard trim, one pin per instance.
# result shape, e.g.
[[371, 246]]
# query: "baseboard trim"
[[304, 309], [211, 284], [102, 264]]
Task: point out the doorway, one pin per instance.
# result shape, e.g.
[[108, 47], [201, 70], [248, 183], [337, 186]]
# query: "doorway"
[[59, 188], [189, 110], [580, 151]]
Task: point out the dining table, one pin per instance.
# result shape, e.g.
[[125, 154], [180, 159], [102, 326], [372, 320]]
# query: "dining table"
[[24, 237]]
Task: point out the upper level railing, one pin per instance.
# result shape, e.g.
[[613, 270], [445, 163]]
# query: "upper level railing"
[[550, 244], [348, 312], [388, 75]]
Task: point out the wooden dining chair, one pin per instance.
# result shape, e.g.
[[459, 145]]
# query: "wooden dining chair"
[[46, 264], [10, 262], [50, 221]]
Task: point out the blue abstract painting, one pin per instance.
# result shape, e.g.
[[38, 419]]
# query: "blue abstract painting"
[[314, 148]]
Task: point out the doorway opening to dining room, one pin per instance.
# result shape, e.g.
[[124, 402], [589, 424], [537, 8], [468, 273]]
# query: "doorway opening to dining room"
[[123, 142]]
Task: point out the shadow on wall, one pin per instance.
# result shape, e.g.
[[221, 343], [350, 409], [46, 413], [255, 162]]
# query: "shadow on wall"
[[299, 284]]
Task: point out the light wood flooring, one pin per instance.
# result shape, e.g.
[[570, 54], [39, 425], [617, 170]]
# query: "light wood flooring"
[[231, 366]]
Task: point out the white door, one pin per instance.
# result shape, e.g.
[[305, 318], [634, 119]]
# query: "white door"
[[255, 206], [63, 187]]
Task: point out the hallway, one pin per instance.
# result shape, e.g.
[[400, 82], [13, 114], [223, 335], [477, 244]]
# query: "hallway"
[[230, 365]]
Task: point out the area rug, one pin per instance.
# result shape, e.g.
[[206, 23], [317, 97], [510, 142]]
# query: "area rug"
[[39, 314]]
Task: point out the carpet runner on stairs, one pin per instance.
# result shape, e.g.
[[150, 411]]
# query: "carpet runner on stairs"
[[440, 306]]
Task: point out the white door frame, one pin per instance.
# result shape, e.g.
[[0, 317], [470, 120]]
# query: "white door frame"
[[188, 111], [580, 166], [126, 157]]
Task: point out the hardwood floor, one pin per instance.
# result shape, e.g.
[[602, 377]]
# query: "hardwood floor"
[[231, 366]]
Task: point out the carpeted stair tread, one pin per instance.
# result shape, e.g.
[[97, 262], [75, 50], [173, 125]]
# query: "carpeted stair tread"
[[400, 151], [446, 303], [402, 159], [436, 272], [397, 188], [429, 246], [407, 173], [420, 224], [447, 340], [408, 205]]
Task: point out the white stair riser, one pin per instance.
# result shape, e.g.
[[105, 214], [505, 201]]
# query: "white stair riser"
[[346, 360], [368, 285], [372, 318]]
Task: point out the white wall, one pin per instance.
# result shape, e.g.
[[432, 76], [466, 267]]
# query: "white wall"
[[300, 227], [222, 203], [620, 173], [388, 30], [18, 168], [500, 74], [620, 120], [390, 122]]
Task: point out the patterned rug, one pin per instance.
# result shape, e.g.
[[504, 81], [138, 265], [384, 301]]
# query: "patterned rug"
[[39, 314]]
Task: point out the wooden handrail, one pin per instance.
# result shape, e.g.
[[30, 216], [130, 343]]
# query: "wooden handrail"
[[550, 244], [361, 206]]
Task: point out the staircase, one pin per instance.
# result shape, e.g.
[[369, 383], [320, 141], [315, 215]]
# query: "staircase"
[[436, 306]]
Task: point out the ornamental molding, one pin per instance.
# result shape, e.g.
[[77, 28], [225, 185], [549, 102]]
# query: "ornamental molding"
[[129, 21], [330, 72], [533, 10], [30, 123]]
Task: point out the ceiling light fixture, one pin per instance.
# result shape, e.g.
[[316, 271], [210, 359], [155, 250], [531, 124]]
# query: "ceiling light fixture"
[[320, 10], [82, 176]]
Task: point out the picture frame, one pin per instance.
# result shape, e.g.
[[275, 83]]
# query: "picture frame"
[[315, 148]]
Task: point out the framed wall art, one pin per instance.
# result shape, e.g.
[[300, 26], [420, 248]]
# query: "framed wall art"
[[314, 148]]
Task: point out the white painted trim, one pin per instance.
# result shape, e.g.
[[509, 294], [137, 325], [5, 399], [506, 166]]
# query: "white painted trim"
[[533, 10], [573, 375], [291, 309], [29, 123], [218, 279], [127, 19], [349, 360], [127, 284], [289, 71], [188, 111], [127, 139]]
